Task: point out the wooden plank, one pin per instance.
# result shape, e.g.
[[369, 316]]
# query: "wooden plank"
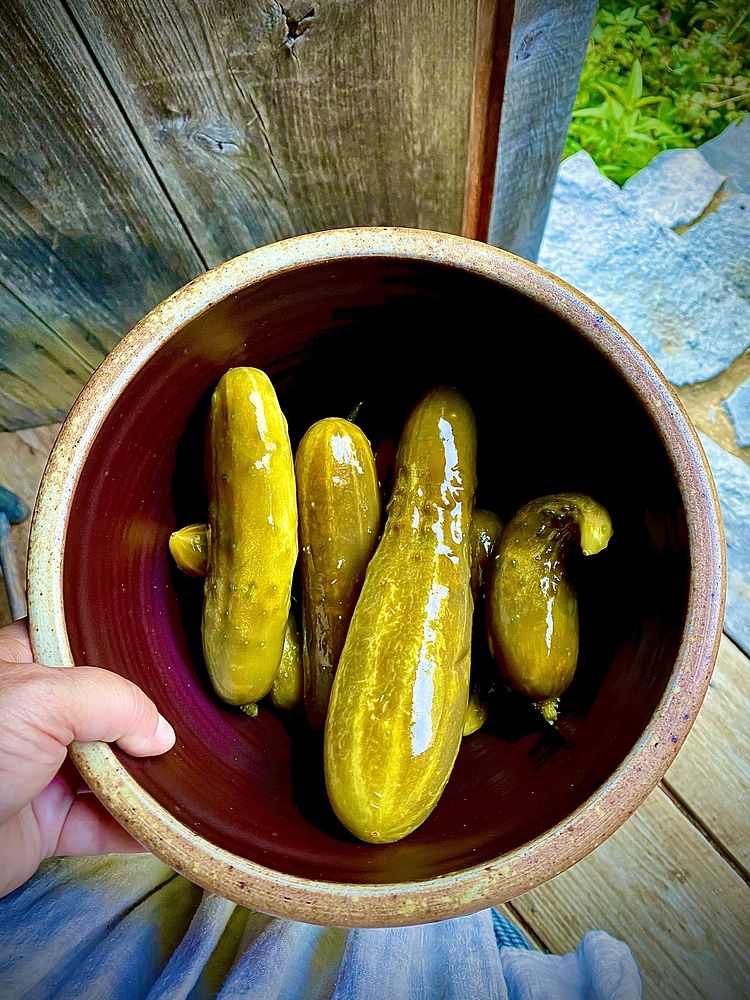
[[40, 375], [14, 413], [88, 239], [711, 775], [267, 120], [492, 42], [547, 48], [23, 456], [658, 885]]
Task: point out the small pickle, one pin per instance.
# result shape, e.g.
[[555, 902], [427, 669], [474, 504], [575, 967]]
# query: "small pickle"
[[339, 523], [286, 692], [485, 528], [531, 609], [189, 548], [476, 714]]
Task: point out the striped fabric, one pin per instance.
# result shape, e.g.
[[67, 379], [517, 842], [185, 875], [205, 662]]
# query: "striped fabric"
[[128, 928]]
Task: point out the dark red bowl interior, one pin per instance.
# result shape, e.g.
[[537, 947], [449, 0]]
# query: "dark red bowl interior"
[[553, 414]]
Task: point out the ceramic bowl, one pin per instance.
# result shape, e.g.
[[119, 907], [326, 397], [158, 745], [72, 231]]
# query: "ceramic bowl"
[[565, 400]]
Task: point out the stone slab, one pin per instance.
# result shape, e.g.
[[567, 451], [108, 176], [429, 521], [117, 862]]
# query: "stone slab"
[[676, 187], [690, 320], [729, 153]]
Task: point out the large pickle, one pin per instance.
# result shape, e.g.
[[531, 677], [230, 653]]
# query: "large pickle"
[[339, 523], [252, 530], [401, 690], [531, 607]]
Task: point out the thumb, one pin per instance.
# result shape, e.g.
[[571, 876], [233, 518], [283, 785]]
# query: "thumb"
[[96, 704], [45, 708]]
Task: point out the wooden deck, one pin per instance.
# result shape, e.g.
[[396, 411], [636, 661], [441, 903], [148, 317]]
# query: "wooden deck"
[[673, 882]]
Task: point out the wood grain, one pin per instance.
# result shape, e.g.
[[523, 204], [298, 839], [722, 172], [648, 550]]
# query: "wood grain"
[[88, 239], [23, 456], [658, 885], [267, 120], [711, 774], [40, 374], [548, 45]]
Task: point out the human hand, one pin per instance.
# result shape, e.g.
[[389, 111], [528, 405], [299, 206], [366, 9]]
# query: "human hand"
[[44, 810]]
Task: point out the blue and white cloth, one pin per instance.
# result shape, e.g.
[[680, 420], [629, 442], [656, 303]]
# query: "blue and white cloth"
[[126, 927]]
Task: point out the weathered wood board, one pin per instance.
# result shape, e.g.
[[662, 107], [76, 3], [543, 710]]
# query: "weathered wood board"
[[88, 239], [266, 120], [547, 49], [40, 373], [658, 885], [711, 774], [145, 140], [23, 456]]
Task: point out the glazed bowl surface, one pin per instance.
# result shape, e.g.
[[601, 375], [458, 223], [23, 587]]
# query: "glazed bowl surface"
[[565, 401]]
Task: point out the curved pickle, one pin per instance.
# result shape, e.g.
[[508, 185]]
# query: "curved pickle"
[[531, 609], [339, 522], [400, 693], [189, 548]]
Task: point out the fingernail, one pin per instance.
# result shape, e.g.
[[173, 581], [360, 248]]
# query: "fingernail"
[[165, 733]]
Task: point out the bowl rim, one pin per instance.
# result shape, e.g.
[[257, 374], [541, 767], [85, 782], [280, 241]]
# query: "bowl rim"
[[576, 835]]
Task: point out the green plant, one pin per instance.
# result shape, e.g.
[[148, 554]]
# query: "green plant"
[[660, 77]]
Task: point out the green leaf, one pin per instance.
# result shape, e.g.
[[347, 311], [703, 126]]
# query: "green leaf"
[[635, 83]]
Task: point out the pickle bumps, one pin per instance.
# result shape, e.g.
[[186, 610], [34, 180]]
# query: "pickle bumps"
[[401, 690], [339, 523], [531, 607], [252, 533]]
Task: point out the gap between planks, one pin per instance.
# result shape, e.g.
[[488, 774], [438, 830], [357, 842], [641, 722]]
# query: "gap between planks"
[[715, 844]]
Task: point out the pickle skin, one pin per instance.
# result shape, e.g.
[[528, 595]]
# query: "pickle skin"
[[531, 609], [476, 714], [252, 533], [339, 523], [287, 689], [485, 528], [401, 690], [188, 547]]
